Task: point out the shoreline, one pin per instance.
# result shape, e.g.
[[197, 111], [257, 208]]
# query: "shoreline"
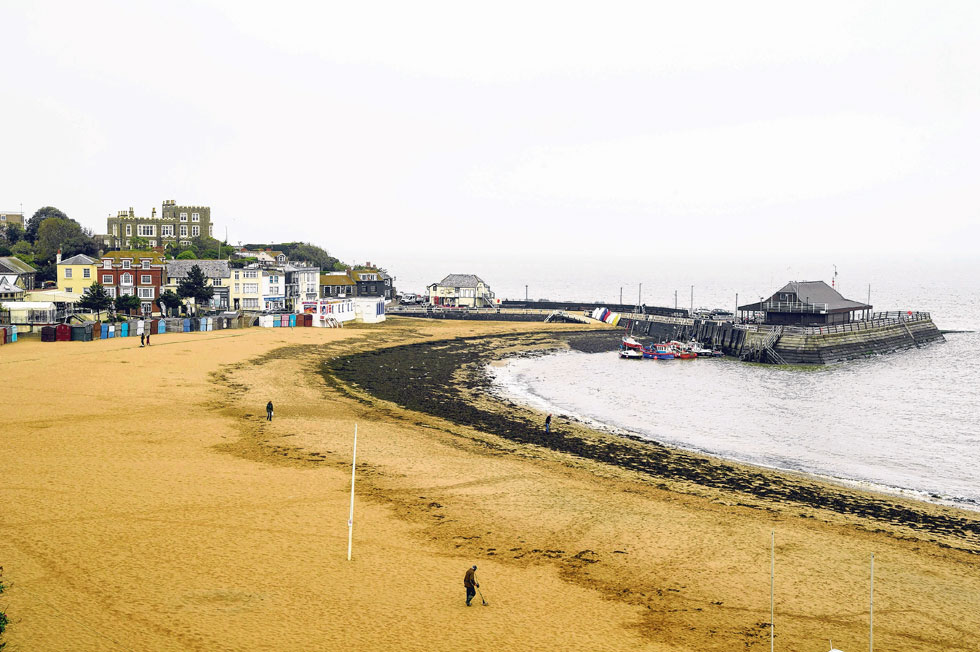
[[530, 400], [453, 384]]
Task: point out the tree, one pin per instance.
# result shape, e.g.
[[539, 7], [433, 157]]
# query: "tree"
[[310, 253], [127, 303], [187, 255], [65, 234], [34, 222], [168, 301], [95, 298], [139, 243], [195, 286], [13, 233]]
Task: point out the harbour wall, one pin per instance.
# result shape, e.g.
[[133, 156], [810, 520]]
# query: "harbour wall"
[[788, 345]]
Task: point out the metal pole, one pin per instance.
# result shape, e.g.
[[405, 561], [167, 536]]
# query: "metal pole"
[[871, 626], [620, 295], [692, 300], [736, 307], [675, 299], [525, 294], [772, 602], [639, 297], [350, 519]]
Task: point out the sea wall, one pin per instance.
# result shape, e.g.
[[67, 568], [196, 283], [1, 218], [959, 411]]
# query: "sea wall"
[[795, 346], [827, 348]]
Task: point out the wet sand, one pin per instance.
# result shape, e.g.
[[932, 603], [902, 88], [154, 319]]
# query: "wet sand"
[[148, 505]]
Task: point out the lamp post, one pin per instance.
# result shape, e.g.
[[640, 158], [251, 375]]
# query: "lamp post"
[[525, 293]]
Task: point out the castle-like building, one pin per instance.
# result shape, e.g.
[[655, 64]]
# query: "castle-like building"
[[176, 224]]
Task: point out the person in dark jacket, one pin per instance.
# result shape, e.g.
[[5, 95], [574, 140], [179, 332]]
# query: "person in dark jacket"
[[268, 411], [547, 425], [469, 581]]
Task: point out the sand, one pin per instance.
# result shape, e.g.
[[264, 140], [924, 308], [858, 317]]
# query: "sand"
[[146, 504]]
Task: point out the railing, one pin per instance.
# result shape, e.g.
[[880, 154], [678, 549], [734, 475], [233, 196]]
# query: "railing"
[[792, 306], [877, 320]]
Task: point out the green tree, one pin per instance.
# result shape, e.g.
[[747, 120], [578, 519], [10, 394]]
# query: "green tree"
[[310, 253], [139, 243], [64, 234], [127, 303], [35, 220], [23, 251], [188, 254], [95, 298], [169, 301], [13, 233], [195, 286]]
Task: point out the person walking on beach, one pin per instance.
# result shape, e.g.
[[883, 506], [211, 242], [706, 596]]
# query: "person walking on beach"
[[141, 332], [547, 425], [148, 333], [469, 581], [268, 411]]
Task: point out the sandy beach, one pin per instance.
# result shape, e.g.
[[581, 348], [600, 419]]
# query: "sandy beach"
[[148, 505]]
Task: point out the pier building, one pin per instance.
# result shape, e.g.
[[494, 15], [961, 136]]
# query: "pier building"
[[805, 303]]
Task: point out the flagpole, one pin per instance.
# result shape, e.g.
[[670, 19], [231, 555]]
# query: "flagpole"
[[871, 625], [350, 519], [772, 603]]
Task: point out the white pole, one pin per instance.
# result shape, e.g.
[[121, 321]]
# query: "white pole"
[[871, 626], [350, 519], [772, 603]]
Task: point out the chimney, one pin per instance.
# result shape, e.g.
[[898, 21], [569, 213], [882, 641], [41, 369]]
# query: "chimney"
[[131, 211], [58, 257], [153, 213]]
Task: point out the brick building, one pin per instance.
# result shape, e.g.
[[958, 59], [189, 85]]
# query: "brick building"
[[142, 273]]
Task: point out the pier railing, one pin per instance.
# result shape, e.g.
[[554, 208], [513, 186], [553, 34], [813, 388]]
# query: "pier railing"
[[875, 320]]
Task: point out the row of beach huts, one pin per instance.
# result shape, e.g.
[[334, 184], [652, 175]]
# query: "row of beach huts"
[[606, 315]]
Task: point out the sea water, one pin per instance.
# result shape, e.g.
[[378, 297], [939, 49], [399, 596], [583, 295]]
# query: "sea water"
[[907, 421]]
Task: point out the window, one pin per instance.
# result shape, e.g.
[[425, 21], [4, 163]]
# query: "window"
[[145, 264], [153, 243], [146, 293], [68, 272], [146, 279], [129, 229], [183, 230], [126, 264], [183, 217], [3, 218], [236, 274], [67, 289], [237, 288], [195, 231], [210, 229], [86, 273], [106, 279], [126, 279], [146, 230], [251, 288], [111, 291], [195, 217], [166, 230], [115, 229], [251, 273], [250, 303]]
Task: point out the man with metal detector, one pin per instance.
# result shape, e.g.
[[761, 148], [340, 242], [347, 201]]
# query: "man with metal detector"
[[469, 581]]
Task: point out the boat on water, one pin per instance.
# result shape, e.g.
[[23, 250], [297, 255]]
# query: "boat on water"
[[630, 354], [702, 351], [661, 351], [682, 351]]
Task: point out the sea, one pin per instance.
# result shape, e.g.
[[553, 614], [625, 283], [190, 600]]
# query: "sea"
[[905, 423]]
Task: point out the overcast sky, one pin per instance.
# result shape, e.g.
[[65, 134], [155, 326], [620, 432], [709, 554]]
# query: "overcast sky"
[[517, 127]]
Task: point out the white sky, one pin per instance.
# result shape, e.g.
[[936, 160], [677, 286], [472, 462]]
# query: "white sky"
[[514, 127]]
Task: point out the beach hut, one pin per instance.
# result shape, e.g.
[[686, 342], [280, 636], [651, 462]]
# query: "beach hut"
[[186, 325], [13, 333], [123, 329], [3, 334], [48, 334], [292, 320], [62, 333], [112, 330]]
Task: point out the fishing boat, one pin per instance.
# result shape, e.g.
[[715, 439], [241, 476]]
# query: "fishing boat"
[[702, 351], [682, 351], [630, 343], [630, 354], [659, 352]]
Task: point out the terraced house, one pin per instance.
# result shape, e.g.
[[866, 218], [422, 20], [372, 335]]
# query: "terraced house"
[[134, 272], [246, 288], [176, 225]]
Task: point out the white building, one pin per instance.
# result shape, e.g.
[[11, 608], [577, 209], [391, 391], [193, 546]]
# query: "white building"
[[273, 289], [370, 310], [327, 311]]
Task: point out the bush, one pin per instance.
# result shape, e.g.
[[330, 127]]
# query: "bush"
[[190, 254]]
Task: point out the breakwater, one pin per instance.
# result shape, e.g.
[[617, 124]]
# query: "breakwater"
[[884, 333]]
